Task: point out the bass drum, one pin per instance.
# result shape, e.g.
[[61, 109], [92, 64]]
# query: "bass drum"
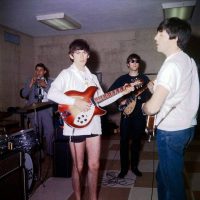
[[29, 172], [25, 140]]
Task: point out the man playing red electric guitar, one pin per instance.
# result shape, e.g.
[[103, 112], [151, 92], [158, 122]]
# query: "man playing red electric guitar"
[[75, 87]]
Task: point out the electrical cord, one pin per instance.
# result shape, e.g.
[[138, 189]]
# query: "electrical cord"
[[153, 172]]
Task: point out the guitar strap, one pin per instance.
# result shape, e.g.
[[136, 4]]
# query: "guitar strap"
[[85, 77], [164, 117]]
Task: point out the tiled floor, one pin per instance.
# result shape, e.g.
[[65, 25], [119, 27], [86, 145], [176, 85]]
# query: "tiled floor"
[[131, 188]]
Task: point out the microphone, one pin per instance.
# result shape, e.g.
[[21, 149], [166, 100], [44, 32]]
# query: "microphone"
[[40, 92], [42, 78]]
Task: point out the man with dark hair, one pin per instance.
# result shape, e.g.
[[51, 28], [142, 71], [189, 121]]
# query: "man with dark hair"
[[35, 91], [132, 126], [175, 103], [77, 78]]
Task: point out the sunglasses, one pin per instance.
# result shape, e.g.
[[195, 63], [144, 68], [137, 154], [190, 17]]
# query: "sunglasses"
[[134, 61]]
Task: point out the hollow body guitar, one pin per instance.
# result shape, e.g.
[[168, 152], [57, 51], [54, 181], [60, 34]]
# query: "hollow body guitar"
[[128, 108], [79, 119]]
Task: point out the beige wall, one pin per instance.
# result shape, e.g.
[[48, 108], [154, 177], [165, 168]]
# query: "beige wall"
[[109, 53], [15, 63]]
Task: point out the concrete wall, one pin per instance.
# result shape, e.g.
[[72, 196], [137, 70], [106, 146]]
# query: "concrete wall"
[[108, 56], [16, 62], [109, 52]]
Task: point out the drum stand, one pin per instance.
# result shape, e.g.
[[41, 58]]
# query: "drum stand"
[[39, 133]]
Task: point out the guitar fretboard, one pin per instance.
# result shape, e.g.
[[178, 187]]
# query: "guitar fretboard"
[[110, 94]]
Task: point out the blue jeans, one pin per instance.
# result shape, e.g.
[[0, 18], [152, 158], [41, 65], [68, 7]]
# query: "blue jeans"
[[171, 147]]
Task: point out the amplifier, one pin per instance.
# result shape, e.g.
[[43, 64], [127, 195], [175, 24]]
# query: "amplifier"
[[62, 162], [12, 177]]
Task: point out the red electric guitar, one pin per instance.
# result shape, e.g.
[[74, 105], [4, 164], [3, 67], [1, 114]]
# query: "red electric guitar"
[[79, 119]]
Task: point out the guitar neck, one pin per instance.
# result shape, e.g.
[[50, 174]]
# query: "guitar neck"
[[110, 94], [140, 91]]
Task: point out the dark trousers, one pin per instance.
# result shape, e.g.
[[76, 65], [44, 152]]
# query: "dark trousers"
[[131, 130]]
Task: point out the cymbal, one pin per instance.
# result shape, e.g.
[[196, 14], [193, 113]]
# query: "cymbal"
[[34, 106], [4, 115]]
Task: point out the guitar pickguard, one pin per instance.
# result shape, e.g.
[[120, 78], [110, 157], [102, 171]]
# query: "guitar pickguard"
[[130, 107], [83, 118]]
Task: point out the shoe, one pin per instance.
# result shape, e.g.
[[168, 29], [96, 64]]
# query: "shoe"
[[137, 172], [122, 174]]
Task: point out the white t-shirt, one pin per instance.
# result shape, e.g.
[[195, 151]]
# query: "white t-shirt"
[[74, 79], [178, 74]]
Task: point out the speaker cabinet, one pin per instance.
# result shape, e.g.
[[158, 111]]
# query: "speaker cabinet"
[[12, 177], [62, 159]]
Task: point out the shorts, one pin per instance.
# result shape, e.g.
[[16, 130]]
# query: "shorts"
[[80, 138]]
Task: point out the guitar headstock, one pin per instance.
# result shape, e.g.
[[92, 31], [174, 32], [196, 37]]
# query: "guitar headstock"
[[129, 87]]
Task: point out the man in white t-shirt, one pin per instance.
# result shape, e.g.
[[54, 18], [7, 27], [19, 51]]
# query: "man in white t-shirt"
[[175, 102]]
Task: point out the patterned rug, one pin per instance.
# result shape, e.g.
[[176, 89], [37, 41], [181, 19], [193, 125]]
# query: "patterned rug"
[[110, 179]]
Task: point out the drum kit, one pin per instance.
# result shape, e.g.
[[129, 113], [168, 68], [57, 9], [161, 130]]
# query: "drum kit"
[[26, 141]]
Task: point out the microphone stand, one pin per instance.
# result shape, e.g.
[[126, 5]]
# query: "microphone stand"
[[39, 131], [38, 135]]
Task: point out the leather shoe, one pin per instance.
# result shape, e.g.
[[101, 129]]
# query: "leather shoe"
[[122, 174], [137, 172]]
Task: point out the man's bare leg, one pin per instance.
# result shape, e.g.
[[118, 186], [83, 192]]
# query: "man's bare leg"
[[93, 150], [77, 152]]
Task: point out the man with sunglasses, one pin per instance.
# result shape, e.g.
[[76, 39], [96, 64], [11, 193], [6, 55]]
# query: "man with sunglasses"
[[132, 126]]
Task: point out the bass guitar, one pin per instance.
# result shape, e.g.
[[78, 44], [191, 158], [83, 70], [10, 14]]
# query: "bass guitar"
[[79, 119]]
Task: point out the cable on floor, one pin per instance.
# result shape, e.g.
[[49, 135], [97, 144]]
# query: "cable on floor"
[[111, 179], [153, 171]]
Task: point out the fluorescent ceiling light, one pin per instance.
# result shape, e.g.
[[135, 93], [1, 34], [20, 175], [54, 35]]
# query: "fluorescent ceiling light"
[[182, 10], [58, 21]]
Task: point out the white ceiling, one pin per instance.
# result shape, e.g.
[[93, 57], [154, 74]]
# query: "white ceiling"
[[93, 15]]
